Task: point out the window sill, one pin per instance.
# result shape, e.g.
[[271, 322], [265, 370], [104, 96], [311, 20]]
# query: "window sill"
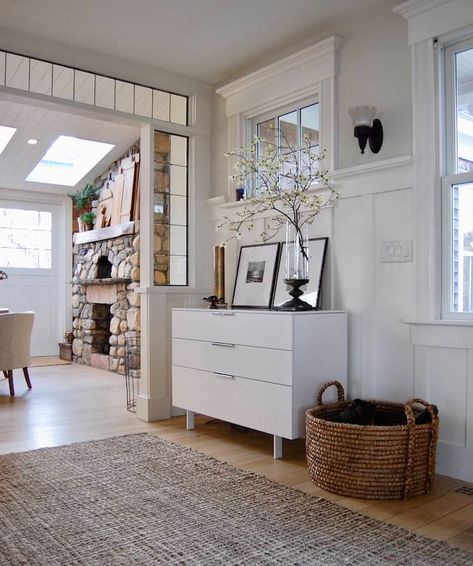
[[442, 322]]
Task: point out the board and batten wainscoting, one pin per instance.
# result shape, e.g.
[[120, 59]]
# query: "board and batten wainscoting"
[[443, 363], [259, 369]]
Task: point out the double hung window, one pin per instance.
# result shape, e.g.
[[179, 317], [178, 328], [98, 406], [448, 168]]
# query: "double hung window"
[[457, 184]]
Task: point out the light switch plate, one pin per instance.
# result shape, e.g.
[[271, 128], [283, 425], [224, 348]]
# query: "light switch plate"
[[395, 251]]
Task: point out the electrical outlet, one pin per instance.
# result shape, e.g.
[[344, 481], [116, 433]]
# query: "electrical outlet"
[[396, 251]]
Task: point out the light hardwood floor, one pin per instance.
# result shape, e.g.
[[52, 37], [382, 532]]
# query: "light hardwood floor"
[[75, 403]]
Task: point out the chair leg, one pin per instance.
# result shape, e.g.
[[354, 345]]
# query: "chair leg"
[[27, 377], [10, 382]]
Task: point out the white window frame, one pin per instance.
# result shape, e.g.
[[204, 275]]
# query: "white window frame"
[[309, 74], [274, 113], [280, 111], [448, 124]]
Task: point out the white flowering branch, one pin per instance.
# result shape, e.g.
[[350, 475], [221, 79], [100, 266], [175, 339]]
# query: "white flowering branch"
[[282, 179]]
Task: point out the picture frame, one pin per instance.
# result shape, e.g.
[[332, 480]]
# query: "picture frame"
[[255, 276], [317, 254]]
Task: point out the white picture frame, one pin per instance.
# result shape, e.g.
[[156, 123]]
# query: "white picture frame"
[[317, 253], [255, 276]]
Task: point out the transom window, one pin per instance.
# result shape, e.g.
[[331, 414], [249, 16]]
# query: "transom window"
[[289, 130], [457, 185], [25, 238]]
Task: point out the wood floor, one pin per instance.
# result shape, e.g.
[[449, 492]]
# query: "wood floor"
[[74, 403]]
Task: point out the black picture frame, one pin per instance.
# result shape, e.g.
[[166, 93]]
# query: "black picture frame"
[[245, 297], [313, 288]]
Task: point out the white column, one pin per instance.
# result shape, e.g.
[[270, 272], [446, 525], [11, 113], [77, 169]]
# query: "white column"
[[153, 402]]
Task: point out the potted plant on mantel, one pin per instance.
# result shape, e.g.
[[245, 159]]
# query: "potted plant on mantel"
[[289, 189], [82, 200]]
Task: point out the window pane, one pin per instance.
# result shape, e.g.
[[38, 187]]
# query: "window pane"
[[464, 110], [310, 124], [288, 137], [266, 131], [25, 238], [462, 248], [170, 209]]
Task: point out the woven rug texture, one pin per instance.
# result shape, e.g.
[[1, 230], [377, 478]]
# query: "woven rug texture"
[[140, 500]]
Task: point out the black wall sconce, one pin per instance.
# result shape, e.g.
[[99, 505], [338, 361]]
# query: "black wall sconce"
[[367, 127]]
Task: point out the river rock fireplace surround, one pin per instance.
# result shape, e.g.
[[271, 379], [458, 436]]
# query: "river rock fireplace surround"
[[105, 307]]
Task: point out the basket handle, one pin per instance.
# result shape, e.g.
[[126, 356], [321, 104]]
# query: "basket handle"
[[340, 391], [428, 406], [411, 424]]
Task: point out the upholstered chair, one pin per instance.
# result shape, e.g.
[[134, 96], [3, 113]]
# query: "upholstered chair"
[[15, 339]]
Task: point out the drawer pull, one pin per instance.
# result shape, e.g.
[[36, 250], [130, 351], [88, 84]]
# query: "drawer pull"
[[225, 375], [223, 313], [223, 344]]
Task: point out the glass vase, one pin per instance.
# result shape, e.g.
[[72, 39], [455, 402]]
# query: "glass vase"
[[297, 252], [296, 266]]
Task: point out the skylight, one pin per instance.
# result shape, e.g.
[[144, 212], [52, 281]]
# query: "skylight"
[[68, 160], [6, 134]]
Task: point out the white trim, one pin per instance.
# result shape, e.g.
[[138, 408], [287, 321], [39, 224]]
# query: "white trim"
[[413, 8], [430, 18], [285, 81], [375, 167], [442, 322], [307, 55]]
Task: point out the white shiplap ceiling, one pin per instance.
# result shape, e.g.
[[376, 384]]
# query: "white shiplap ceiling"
[[19, 158], [210, 40]]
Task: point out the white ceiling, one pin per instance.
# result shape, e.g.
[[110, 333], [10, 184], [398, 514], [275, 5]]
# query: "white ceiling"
[[19, 158], [209, 40]]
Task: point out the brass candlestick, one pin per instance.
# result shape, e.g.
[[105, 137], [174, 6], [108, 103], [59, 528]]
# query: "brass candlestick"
[[219, 273]]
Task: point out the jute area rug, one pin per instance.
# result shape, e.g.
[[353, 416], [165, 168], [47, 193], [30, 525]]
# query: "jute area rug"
[[141, 500]]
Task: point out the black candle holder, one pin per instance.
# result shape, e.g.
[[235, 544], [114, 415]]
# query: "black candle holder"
[[295, 304]]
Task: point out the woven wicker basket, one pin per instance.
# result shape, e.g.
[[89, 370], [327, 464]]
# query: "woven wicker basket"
[[371, 462]]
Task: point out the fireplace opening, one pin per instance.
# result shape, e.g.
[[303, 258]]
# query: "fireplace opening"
[[104, 268], [102, 317]]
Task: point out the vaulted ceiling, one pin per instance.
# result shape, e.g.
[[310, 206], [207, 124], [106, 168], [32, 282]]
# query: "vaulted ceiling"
[[209, 40], [19, 158]]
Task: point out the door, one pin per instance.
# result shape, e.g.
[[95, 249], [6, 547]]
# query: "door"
[[30, 245]]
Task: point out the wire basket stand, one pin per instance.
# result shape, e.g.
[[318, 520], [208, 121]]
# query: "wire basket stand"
[[132, 370]]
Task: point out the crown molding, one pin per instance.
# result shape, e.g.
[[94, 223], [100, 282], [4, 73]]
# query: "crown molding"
[[429, 19], [326, 47], [413, 8]]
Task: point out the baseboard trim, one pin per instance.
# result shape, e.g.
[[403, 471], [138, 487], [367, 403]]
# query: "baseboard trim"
[[455, 461], [151, 409]]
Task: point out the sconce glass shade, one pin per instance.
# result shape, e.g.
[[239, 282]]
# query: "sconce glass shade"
[[362, 115]]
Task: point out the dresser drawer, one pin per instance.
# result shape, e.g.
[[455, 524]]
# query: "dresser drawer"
[[274, 366], [254, 404], [253, 329]]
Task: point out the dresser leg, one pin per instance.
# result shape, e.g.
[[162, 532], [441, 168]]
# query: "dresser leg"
[[190, 420], [277, 447]]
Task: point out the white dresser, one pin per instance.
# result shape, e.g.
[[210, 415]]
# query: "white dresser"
[[258, 369]]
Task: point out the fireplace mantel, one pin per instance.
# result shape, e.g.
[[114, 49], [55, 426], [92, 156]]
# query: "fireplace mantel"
[[106, 281], [105, 233]]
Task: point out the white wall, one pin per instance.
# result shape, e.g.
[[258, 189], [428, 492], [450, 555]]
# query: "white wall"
[[380, 202], [376, 204]]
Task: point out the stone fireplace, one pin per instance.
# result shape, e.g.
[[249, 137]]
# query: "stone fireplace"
[[105, 307]]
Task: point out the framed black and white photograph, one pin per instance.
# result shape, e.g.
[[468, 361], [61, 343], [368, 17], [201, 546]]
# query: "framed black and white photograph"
[[254, 282], [317, 251]]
